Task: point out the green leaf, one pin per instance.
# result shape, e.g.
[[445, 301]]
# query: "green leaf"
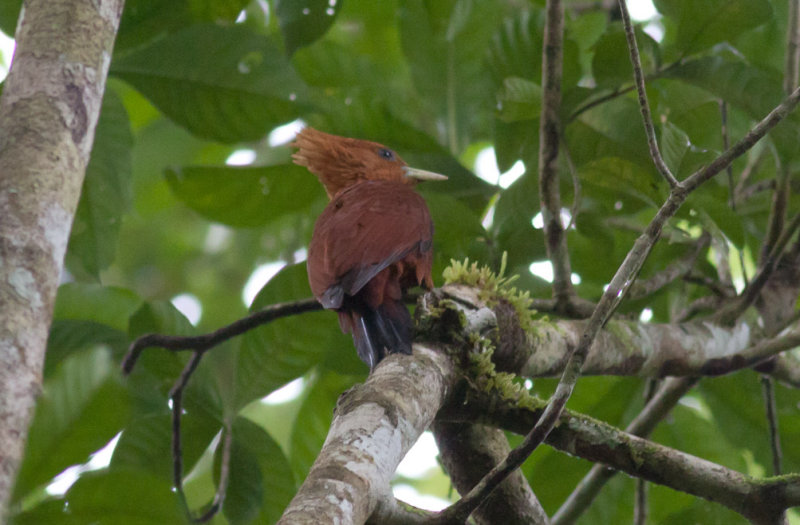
[[239, 92], [245, 196], [68, 336], [457, 229], [622, 176], [304, 22], [106, 193], [512, 228], [611, 63], [93, 302], [699, 24], [146, 443], [128, 497], [81, 408], [261, 482], [519, 99], [674, 145], [145, 20], [314, 420], [9, 13], [445, 44], [516, 50], [274, 354], [748, 88]]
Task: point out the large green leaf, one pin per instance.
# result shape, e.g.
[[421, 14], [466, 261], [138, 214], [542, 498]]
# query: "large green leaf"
[[245, 196], [275, 353], [519, 99], [123, 497], [611, 64], [9, 13], [516, 51], [222, 83], [261, 480], [751, 89], [146, 443], [303, 22], [145, 20], [699, 24], [314, 419], [106, 193], [81, 408], [457, 31], [623, 176], [106, 305]]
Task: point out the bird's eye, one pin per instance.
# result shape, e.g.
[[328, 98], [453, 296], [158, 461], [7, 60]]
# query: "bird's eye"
[[386, 153]]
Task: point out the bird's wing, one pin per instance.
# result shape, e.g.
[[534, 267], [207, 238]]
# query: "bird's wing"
[[364, 229]]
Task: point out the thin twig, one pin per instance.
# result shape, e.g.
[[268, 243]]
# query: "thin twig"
[[549, 133], [767, 383], [647, 119], [201, 343], [600, 100], [674, 271]]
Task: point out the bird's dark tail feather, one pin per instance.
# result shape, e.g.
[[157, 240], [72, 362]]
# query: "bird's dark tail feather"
[[382, 331]]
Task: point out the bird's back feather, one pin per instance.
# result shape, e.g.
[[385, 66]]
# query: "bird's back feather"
[[371, 243]]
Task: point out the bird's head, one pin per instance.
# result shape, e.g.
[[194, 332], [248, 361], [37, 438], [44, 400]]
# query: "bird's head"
[[340, 162]]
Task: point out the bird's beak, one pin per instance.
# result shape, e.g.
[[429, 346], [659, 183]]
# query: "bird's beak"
[[414, 173]]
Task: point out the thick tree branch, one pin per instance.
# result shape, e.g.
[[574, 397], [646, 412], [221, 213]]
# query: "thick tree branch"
[[48, 113], [375, 424], [469, 451]]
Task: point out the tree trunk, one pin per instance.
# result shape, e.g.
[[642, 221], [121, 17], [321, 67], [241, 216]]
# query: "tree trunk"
[[48, 113]]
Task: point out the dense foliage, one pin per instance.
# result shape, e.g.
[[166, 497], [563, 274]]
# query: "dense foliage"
[[162, 215]]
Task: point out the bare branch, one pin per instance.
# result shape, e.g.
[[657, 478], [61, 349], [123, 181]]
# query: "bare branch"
[[549, 140], [644, 107], [676, 270], [201, 343], [467, 452]]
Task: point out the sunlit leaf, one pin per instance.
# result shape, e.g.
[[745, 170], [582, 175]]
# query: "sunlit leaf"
[[82, 407]]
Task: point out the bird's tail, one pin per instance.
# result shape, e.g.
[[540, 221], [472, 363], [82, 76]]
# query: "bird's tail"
[[380, 331]]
